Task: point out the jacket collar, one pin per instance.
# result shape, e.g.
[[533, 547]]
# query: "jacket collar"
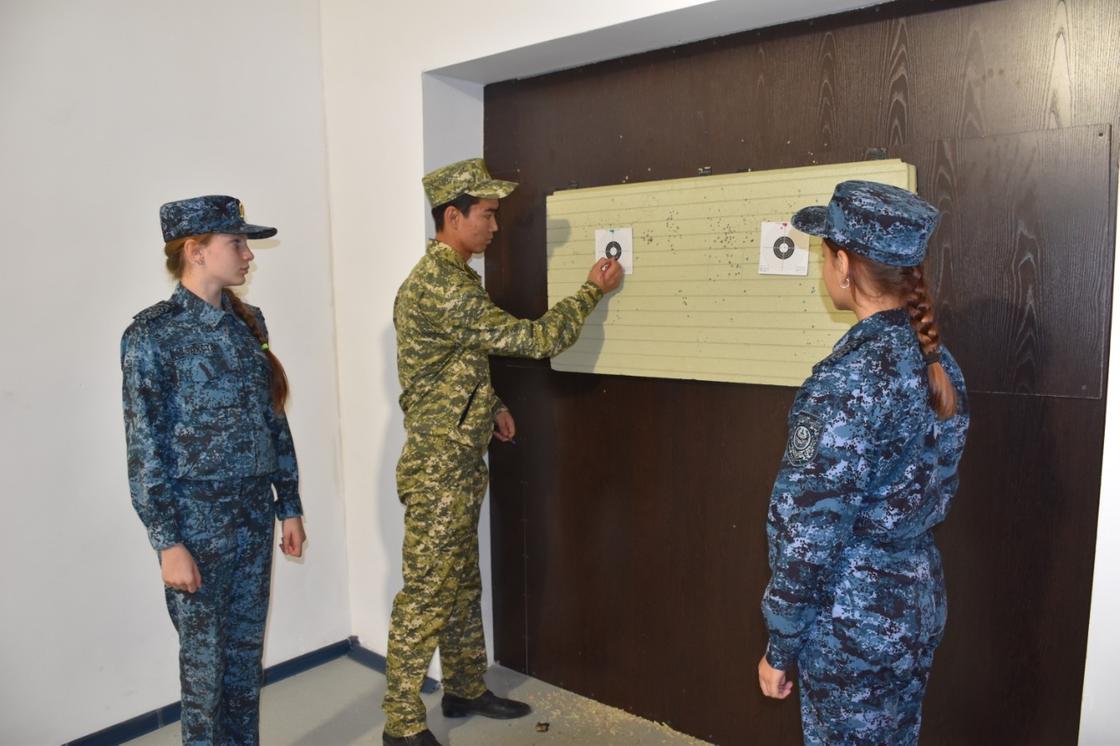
[[868, 329], [441, 252], [199, 308], [873, 326]]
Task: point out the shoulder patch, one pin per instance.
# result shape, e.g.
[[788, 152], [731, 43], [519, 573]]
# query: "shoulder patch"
[[804, 438], [154, 312]]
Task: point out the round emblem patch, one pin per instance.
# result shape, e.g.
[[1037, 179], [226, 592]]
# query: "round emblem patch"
[[804, 438]]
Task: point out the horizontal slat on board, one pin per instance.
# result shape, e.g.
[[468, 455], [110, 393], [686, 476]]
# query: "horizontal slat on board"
[[695, 305]]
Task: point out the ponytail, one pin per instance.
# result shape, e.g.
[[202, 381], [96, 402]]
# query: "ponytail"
[[919, 306], [279, 385]]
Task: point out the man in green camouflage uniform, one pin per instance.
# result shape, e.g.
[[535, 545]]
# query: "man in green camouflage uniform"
[[447, 327]]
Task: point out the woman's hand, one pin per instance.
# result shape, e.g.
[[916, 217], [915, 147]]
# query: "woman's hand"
[[179, 569], [292, 536], [772, 681]]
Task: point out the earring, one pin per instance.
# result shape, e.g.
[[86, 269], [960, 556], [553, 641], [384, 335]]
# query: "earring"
[[845, 283]]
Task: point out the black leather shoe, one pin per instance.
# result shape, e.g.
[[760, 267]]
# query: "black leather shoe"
[[486, 704], [423, 738]]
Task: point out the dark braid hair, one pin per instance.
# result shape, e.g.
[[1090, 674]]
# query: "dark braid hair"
[[908, 284], [919, 305], [173, 250]]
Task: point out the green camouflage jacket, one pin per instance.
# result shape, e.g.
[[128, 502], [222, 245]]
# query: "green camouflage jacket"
[[447, 327]]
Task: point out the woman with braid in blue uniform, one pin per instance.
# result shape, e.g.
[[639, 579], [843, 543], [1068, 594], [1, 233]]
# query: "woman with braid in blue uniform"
[[208, 444], [856, 599]]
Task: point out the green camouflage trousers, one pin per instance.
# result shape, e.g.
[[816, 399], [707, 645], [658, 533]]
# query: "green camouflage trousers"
[[441, 484]]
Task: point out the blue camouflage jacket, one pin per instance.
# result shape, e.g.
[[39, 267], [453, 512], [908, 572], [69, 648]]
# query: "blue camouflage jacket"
[[867, 464], [197, 405]]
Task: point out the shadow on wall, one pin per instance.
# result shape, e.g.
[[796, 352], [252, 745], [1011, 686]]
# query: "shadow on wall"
[[593, 335], [558, 231], [390, 512]]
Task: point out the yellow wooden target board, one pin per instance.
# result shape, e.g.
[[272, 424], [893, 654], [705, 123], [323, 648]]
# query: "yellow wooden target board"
[[695, 304]]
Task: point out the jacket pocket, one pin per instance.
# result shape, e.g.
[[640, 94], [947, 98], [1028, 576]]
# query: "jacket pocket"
[[206, 379], [467, 406], [206, 435], [875, 622]]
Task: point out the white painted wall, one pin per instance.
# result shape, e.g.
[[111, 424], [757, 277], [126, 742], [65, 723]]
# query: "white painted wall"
[[107, 110]]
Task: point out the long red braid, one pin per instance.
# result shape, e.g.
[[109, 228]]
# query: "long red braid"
[[279, 379], [919, 306], [907, 283]]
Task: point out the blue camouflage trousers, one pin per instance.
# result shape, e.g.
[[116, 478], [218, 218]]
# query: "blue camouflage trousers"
[[442, 485], [864, 670], [227, 524]]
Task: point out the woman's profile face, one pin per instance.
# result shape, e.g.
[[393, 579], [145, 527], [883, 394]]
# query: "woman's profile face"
[[833, 276], [226, 259]]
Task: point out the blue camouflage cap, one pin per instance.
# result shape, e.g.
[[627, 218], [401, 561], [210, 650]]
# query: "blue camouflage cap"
[[214, 213], [881, 222]]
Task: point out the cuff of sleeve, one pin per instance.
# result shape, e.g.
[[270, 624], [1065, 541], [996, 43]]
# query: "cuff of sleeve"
[[593, 292], [288, 504], [289, 509], [780, 659], [161, 536]]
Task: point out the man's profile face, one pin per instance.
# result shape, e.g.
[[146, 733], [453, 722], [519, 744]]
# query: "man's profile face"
[[476, 229]]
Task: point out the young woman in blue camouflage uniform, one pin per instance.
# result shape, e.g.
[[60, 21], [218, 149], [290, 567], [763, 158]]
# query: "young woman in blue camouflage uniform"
[[856, 599], [207, 445]]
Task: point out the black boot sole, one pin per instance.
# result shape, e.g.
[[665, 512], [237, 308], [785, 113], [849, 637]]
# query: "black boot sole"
[[462, 712]]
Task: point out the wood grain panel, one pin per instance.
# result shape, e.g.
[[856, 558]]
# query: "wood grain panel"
[[971, 122], [895, 127], [628, 521], [1038, 239], [1013, 563], [1096, 97]]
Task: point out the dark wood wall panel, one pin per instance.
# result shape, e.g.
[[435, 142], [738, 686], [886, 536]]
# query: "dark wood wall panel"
[[1018, 555], [629, 549], [1009, 265]]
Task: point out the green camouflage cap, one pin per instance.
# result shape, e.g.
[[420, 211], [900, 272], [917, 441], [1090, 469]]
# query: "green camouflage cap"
[[465, 177]]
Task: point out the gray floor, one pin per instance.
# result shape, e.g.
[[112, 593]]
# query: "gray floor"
[[339, 703]]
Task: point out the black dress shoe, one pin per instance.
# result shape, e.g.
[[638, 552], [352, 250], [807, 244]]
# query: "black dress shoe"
[[486, 704], [423, 738]]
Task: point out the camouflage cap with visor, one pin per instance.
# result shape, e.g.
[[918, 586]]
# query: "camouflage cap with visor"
[[884, 223], [464, 177], [213, 213]]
